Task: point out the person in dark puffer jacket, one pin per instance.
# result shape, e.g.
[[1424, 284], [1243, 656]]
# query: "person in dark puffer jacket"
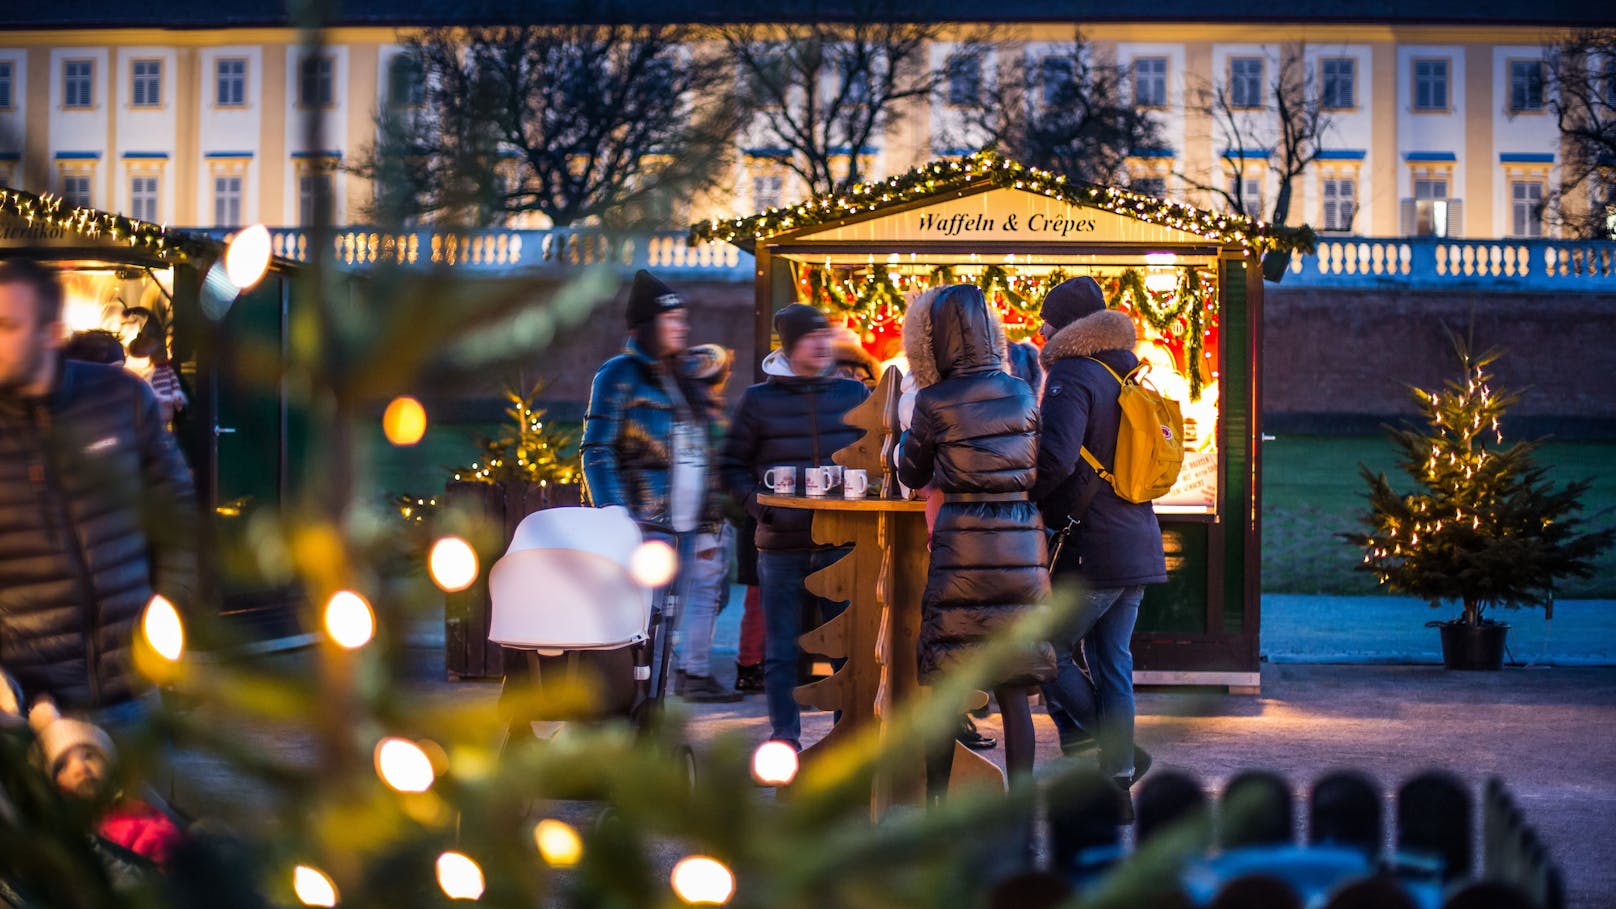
[[1116, 548], [975, 434], [97, 509], [792, 419]]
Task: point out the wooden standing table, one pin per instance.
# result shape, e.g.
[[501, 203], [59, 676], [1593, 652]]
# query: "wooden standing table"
[[882, 579]]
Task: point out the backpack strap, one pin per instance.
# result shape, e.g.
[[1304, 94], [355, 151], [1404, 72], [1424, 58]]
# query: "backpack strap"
[[1088, 456]]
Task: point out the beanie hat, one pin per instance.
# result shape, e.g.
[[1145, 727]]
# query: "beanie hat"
[[709, 362], [1071, 300], [649, 298], [797, 320], [58, 734]]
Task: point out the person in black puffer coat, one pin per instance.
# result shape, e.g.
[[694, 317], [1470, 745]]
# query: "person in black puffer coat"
[[793, 419], [97, 508], [975, 434], [1115, 549]]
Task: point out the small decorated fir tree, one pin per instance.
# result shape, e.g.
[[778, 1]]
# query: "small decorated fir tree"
[[1485, 527]]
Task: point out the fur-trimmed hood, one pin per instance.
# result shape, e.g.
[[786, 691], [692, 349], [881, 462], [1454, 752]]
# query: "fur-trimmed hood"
[[918, 341], [847, 350], [1109, 329]]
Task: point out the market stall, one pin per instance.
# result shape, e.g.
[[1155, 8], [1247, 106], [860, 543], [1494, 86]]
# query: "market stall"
[[128, 277], [1191, 280]]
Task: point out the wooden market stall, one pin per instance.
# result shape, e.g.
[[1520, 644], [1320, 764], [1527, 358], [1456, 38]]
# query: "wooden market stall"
[[117, 273], [1190, 278]]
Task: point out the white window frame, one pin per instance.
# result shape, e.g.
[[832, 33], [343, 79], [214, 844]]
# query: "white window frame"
[[1246, 88], [1526, 214], [228, 190], [1522, 100], [1338, 90], [78, 190], [1438, 75], [144, 197], [964, 72], [224, 82], [146, 88], [319, 74], [84, 80], [1150, 82], [8, 85], [1055, 71], [1338, 209]]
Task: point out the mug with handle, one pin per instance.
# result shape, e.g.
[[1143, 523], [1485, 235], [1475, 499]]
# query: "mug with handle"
[[855, 483], [782, 481], [818, 481]]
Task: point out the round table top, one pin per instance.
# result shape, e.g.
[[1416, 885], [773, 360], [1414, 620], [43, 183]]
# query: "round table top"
[[837, 503]]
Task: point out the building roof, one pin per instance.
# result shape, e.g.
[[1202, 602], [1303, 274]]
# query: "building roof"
[[983, 171], [51, 14]]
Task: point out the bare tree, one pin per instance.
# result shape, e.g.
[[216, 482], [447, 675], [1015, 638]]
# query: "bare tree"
[[824, 93], [1276, 124], [1062, 111], [583, 123], [1582, 93]]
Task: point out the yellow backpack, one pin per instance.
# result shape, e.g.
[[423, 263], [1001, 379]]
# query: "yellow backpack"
[[1150, 440]]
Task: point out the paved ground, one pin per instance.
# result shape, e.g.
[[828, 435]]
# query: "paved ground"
[[1546, 732]]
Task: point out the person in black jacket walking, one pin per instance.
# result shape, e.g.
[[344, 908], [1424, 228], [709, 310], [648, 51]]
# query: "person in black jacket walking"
[[97, 509], [792, 419], [1115, 549], [975, 434]]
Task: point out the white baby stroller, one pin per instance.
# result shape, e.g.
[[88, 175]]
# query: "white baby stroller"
[[566, 594]]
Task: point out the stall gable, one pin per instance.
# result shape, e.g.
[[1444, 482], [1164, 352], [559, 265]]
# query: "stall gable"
[[1004, 215]]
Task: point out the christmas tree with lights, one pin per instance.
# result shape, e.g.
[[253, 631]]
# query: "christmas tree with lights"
[[1483, 525]]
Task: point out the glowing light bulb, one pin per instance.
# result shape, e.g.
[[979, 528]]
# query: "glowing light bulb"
[[703, 881], [404, 421], [313, 887], [453, 564], [348, 620], [404, 766], [163, 629], [774, 764], [558, 843], [653, 563], [459, 876], [246, 259]]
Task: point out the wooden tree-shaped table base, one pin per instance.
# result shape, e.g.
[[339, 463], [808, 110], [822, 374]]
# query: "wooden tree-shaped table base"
[[882, 579]]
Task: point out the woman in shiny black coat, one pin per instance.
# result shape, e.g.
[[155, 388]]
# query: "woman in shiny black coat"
[[975, 435]]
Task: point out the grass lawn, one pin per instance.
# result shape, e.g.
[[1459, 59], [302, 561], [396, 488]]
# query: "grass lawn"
[[1312, 491]]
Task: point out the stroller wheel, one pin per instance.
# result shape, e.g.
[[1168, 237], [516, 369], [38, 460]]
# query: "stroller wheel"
[[687, 759]]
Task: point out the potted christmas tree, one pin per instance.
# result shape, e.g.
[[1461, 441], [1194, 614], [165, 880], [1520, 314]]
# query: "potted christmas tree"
[[1483, 526]]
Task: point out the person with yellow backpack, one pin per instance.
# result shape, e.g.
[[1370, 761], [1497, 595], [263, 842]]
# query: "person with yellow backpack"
[[1094, 466]]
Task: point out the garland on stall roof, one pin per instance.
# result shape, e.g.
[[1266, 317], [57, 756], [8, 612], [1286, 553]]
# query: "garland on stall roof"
[[988, 168], [50, 212]]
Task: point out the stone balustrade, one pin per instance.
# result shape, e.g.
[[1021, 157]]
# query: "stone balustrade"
[[1347, 262]]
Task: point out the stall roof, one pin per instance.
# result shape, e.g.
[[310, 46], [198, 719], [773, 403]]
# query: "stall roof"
[[48, 224], [985, 172]]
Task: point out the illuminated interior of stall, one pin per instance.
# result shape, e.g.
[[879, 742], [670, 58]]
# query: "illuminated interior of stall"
[[119, 299], [1171, 297]]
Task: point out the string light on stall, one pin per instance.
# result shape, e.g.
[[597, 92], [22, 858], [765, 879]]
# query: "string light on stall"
[[313, 886]]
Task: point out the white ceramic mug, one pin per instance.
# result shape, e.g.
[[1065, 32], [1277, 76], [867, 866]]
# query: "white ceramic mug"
[[818, 481], [855, 483], [782, 481]]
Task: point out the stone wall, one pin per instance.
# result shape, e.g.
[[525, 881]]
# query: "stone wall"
[[1340, 360]]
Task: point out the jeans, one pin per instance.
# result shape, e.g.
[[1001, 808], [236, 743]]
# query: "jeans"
[[785, 599], [684, 545], [750, 651], [708, 594], [1104, 624]]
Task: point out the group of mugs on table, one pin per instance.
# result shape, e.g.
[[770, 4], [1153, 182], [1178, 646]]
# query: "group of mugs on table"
[[818, 481]]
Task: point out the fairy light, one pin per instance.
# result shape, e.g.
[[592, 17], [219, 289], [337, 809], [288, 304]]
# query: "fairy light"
[[453, 564], [348, 620], [403, 765], [313, 887], [459, 876], [703, 881], [558, 843], [163, 629], [404, 421]]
